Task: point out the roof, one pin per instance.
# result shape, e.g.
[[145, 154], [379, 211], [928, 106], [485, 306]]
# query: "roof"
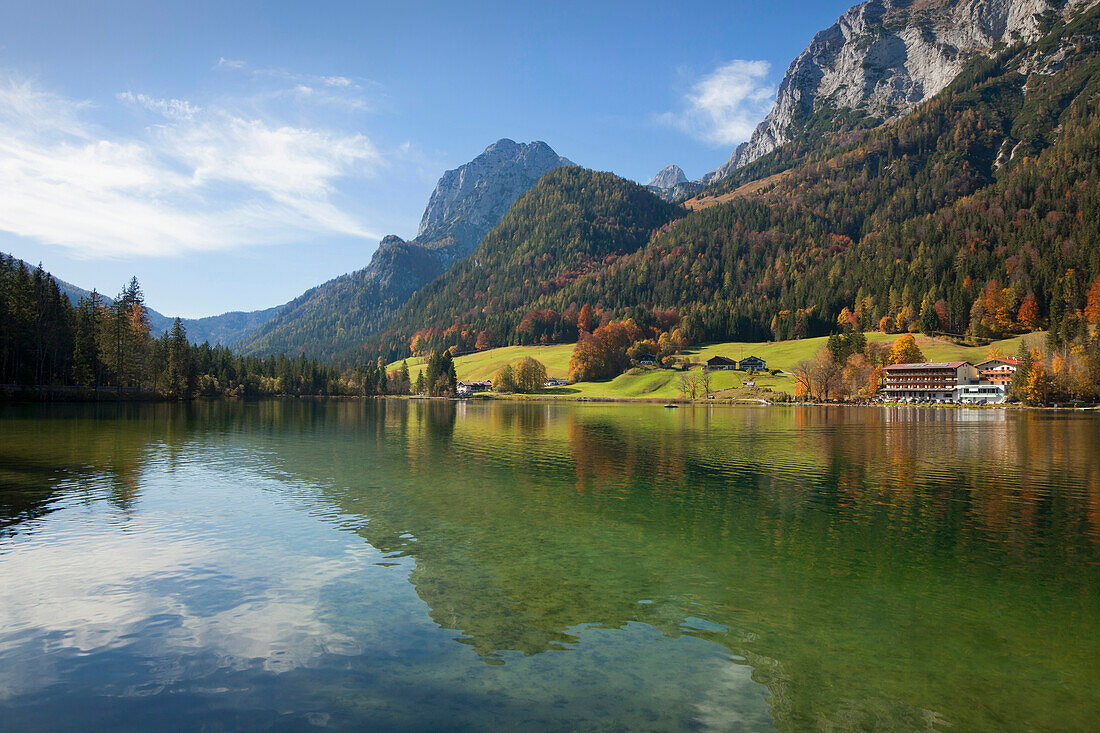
[[752, 357], [930, 365], [721, 360], [1000, 360]]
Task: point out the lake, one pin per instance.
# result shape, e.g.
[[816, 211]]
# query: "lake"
[[401, 565]]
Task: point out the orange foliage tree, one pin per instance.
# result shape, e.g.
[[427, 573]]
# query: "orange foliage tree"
[[1028, 316], [906, 351], [1092, 303], [602, 354]]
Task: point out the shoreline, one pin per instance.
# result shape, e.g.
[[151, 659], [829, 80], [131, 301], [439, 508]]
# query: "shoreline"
[[30, 396]]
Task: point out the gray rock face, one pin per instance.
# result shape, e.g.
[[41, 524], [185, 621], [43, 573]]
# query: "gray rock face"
[[668, 177], [471, 199], [335, 317], [884, 57]]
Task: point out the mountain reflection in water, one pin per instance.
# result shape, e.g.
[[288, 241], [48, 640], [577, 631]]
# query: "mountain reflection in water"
[[252, 565]]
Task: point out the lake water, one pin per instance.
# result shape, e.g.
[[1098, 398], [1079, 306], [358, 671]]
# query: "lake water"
[[423, 566]]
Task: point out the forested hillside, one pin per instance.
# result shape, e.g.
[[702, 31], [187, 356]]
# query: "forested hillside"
[[572, 222], [50, 347], [332, 320], [981, 201], [977, 213]]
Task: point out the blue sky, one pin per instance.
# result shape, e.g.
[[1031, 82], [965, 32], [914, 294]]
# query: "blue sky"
[[233, 154]]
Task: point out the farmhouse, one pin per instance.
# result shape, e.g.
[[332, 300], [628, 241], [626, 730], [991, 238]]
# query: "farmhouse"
[[720, 363], [556, 382], [752, 363], [467, 388]]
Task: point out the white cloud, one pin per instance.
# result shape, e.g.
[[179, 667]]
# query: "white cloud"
[[337, 91], [199, 178], [725, 106], [179, 109]]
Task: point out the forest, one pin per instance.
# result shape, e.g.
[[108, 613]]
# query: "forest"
[[977, 216], [100, 348]]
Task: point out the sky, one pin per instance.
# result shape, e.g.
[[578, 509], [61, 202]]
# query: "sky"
[[232, 155]]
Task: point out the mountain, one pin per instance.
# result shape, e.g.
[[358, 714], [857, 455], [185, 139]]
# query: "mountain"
[[977, 212], [668, 177], [882, 58], [469, 200], [226, 328], [572, 222], [336, 317], [671, 184]]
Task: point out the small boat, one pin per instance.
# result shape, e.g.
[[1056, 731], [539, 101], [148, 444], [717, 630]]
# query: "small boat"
[[671, 406]]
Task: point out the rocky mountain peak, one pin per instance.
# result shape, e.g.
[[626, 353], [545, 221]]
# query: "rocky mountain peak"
[[884, 57], [668, 177], [469, 200]]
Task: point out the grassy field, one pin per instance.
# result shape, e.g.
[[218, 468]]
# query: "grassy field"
[[664, 383], [785, 355]]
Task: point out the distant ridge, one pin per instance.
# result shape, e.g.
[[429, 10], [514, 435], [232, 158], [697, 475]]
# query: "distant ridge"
[[219, 329], [334, 318]]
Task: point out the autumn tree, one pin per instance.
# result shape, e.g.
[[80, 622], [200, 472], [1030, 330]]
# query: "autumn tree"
[[530, 375], [602, 354], [688, 385], [1037, 385], [906, 351], [1092, 303], [586, 319], [504, 381], [1028, 316]]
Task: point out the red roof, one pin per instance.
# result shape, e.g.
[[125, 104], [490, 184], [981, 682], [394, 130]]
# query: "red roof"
[[929, 365], [1001, 360]]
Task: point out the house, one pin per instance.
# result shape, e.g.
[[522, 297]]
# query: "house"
[[556, 382], [931, 382], [720, 363], [647, 361], [980, 391], [752, 363], [997, 371], [468, 388]]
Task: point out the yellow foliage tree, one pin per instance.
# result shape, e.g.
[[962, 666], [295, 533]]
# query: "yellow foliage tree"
[[906, 351]]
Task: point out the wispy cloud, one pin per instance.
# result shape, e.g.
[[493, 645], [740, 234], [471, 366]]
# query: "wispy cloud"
[[338, 91], [197, 177], [179, 109], [725, 106]]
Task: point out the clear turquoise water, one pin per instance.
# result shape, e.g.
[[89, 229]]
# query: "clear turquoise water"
[[429, 566]]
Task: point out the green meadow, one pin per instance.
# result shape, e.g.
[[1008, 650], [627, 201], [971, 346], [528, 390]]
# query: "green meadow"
[[665, 383]]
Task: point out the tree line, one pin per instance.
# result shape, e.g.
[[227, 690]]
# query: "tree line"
[[106, 345]]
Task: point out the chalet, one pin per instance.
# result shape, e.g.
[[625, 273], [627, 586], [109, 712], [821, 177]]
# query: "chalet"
[[647, 361], [468, 388], [932, 382], [720, 363], [997, 371], [752, 363], [556, 382]]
